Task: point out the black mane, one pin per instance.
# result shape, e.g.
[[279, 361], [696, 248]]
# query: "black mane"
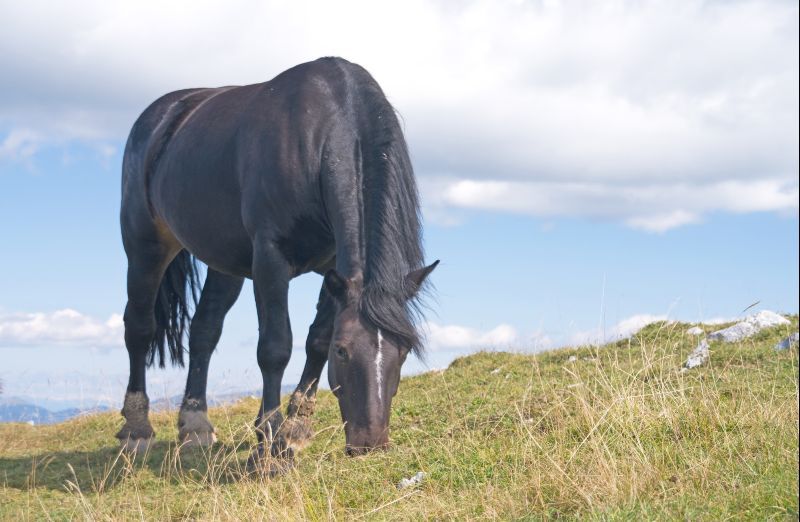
[[392, 227]]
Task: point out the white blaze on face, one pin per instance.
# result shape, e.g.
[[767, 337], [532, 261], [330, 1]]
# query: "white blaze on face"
[[378, 364]]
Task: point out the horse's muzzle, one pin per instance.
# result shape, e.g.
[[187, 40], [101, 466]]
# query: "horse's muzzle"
[[362, 441], [355, 451]]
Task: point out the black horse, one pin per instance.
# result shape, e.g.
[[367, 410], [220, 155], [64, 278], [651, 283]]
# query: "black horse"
[[306, 172]]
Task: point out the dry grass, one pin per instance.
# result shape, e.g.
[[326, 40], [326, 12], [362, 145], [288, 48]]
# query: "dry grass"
[[620, 433]]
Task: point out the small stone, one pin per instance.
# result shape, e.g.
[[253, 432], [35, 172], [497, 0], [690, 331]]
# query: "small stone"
[[416, 479], [695, 330], [495, 371], [787, 343], [698, 357], [572, 359]]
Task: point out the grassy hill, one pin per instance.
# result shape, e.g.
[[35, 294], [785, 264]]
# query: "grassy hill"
[[619, 433]]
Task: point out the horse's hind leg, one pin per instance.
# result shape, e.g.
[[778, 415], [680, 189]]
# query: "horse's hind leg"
[[220, 292], [146, 266], [301, 405]]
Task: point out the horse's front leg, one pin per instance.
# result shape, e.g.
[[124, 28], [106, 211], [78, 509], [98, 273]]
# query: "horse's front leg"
[[297, 428], [271, 275]]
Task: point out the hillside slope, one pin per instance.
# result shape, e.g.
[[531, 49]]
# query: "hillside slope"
[[618, 432]]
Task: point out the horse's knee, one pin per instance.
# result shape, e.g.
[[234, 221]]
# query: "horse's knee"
[[273, 356], [318, 348]]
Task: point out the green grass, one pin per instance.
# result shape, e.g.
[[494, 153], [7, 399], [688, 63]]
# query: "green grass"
[[621, 433]]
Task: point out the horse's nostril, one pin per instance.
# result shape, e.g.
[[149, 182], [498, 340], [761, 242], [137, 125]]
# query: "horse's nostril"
[[355, 451]]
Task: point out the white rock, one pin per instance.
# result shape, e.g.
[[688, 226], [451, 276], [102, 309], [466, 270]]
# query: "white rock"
[[766, 319], [698, 356], [734, 333], [695, 330], [572, 359], [750, 326], [787, 343], [416, 479]]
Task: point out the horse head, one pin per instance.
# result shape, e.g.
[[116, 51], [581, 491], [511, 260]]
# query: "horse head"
[[364, 362]]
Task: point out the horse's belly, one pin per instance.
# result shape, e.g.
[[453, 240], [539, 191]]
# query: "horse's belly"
[[220, 246], [222, 253], [205, 217]]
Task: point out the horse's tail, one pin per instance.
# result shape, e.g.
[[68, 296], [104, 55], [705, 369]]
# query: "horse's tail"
[[179, 291]]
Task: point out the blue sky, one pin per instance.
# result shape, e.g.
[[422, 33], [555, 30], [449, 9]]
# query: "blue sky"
[[584, 168]]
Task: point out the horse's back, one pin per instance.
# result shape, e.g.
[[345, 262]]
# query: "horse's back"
[[197, 117]]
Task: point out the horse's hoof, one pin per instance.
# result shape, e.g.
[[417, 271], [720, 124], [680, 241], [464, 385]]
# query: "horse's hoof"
[[136, 446], [198, 439], [301, 405], [297, 432], [195, 429], [136, 438]]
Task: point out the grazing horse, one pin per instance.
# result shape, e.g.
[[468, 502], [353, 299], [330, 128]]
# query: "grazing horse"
[[306, 172]]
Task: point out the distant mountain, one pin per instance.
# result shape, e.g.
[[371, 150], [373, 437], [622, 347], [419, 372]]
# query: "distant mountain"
[[17, 411], [21, 409], [218, 399]]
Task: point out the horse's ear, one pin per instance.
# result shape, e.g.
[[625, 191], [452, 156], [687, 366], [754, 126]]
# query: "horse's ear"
[[415, 278], [336, 285]]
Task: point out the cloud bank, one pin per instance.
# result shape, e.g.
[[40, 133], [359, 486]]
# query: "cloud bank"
[[65, 327], [448, 337], [651, 114], [69, 327], [655, 208]]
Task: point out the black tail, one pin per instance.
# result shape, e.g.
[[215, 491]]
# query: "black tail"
[[181, 284]]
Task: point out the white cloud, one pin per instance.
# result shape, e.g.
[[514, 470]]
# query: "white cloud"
[[62, 327], [647, 207], [622, 330], [19, 144], [449, 337], [663, 222], [648, 113], [504, 336]]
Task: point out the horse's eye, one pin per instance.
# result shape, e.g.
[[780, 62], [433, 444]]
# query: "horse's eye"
[[341, 353]]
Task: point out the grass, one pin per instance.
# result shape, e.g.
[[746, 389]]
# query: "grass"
[[620, 433]]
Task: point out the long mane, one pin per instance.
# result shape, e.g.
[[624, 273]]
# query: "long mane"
[[392, 224]]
